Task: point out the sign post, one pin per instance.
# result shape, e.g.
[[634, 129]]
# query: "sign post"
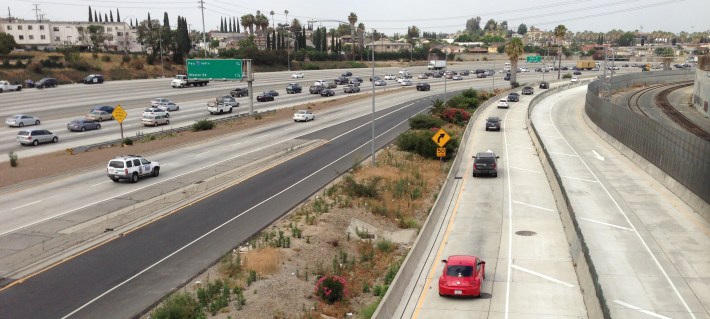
[[119, 114], [441, 138]]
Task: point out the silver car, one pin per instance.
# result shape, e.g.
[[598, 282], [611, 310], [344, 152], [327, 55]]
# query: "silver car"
[[154, 120], [98, 115], [158, 100], [21, 120], [169, 107], [35, 137]]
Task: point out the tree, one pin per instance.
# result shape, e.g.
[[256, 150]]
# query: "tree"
[[111, 16], [514, 50], [7, 43], [522, 29], [559, 32], [491, 26], [247, 42], [262, 23], [473, 26], [148, 34], [237, 24], [118, 16], [626, 39], [91, 19], [352, 18], [248, 23], [412, 32], [464, 38], [221, 25], [96, 19], [295, 26], [96, 35], [105, 17]]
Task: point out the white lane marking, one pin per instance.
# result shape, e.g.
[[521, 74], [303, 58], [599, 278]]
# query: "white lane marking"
[[563, 154], [525, 169], [550, 136], [25, 205], [543, 276], [510, 221], [580, 179], [534, 206], [97, 184], [523, 147], [606, 224], [621, 211], [203, 153], [222, 225], [597, 156], [639, 309]]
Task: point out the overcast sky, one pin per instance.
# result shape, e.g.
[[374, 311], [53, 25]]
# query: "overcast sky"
[[393, 16]]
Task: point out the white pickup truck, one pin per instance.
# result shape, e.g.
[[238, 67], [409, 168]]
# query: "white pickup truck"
[[7, 86], [218, 108]]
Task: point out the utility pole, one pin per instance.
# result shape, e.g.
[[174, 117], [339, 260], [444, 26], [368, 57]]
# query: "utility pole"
[[204, 33], [36, 10]]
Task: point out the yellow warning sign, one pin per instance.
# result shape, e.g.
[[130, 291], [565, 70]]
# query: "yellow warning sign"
[[119, 114], [441, 138], [440, 152]]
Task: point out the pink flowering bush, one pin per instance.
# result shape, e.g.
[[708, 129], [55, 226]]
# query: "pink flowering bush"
[[331, 288]]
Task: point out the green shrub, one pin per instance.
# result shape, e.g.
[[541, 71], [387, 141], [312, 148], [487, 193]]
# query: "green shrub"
[[127, 141], [331, 288], [125, 58], [203, 125], [106, 58], [384, 246], [367, 188], [13, 158], [567, 76], [514, 84], [180, 305], [391, 273], [420, 142], [423, 121], [150, 59]]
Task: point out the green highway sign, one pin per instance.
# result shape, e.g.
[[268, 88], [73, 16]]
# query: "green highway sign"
[[533, 59], [214, 69]]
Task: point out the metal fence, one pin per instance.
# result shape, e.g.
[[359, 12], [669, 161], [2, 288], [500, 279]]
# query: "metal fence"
[[681, 155]]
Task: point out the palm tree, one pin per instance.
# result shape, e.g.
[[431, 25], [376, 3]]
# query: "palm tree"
[[247, 22], [560, 32], [514, 50], [352, 18], [437, 107], [261, 22]]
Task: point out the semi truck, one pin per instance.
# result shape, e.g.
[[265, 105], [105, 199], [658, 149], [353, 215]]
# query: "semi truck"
[[181, 81], [437, 64], [587, 65]]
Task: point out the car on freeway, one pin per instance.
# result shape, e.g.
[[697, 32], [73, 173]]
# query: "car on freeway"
[[303, 116], [577, 73], [239, 92], [513, 97], [423, 86], [574, 80], [94, 79], [298, 75], [503, 104], [403, 71], [316, 89], [327, 92], [375, 78], [98, 115], [481, 75], [422, 76], [154, 120], [544, 85], [351, 89], [493, 123], [293, 88], [170, 106], [223, 100], [380, 83], [485, 163], [46, 83], [320, 82], [462, 276], [331, 85], [465, 73], [131, 167], [155, 111], [272, 92], [21, 120], [36, 137], [436, 75], [341, 80], [356, 81], [528, 90], [347, 73], [405, 82], [82, 125], [105, 108], [457, 78], [265, 97], [390, 77], [158, 100]]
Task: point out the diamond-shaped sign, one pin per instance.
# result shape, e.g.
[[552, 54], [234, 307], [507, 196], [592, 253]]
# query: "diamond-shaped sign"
[[441, 138], [119, 114]]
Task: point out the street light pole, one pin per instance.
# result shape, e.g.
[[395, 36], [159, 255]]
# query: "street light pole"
[[446, 66], [373, 97], [162, 63]]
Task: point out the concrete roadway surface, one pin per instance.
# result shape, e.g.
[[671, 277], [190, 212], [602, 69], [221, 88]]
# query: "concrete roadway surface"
[[512, 223], [126, 275], [649, 249], [57, 106]]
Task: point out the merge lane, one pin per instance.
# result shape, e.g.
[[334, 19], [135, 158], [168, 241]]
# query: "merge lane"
[[648, 247]]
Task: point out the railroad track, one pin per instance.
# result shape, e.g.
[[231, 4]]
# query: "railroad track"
[[633, 101], [678, 117]]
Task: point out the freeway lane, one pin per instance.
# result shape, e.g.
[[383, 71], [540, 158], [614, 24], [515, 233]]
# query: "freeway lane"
[[648, 248], [61, 290]]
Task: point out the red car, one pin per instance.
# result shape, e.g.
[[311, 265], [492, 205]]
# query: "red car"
[[462, 276]]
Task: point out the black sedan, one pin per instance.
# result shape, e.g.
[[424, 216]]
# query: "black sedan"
[[266, 96], [347, 73], [513, 97], [83, 125], [327, 92], [423, 86], [527, 90], [105, 108], [544, 85], [577, 72]]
